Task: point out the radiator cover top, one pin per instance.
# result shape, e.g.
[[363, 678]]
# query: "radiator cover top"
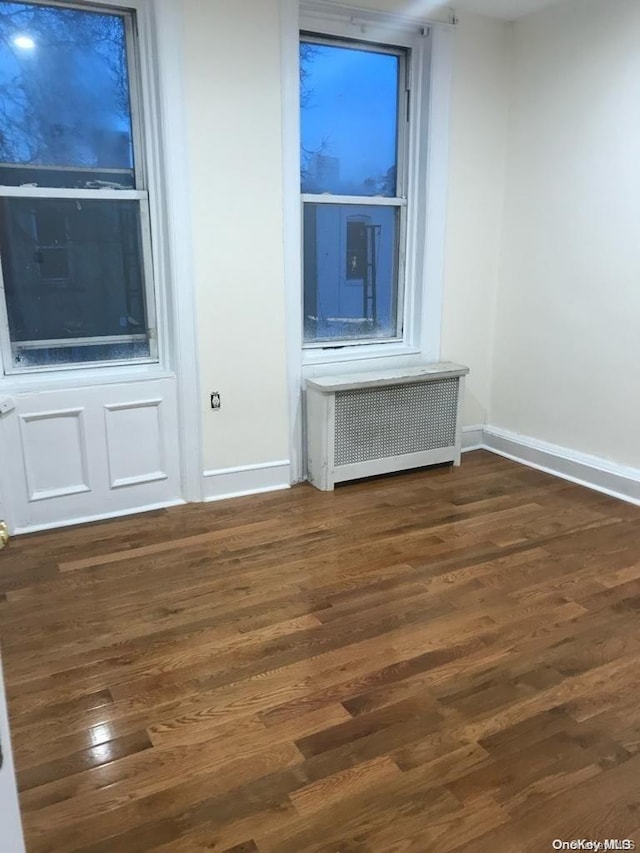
[[377, 423]]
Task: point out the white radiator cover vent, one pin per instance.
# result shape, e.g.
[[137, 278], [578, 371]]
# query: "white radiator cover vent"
[[391, 421], [373, 423]]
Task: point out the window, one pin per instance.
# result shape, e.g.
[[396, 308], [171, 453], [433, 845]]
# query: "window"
[[75, 245], [354, 139]]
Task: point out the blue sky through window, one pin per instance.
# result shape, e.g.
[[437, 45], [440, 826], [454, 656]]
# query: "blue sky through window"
[[349, 120], [64, 88]]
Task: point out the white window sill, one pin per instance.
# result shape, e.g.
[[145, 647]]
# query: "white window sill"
[[362, 353]]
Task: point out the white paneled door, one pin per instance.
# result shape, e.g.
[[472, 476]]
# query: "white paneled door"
[[74, 454]]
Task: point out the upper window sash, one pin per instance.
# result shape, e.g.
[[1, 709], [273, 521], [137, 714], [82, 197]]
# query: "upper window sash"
[[83, 129], [319, 143]]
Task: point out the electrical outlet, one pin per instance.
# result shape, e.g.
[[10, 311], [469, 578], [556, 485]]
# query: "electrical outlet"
[[216, 402]]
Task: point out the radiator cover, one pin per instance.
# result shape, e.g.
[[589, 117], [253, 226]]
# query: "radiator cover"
[[374, 423]]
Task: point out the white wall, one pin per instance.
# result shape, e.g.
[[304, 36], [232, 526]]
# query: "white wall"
[[568, 322], [480, 106], [232, 83], [233, 103]]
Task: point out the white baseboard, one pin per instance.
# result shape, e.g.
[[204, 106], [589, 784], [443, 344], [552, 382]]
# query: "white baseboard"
[[594, 472], [472, 438], [86, 519], [246, 480]]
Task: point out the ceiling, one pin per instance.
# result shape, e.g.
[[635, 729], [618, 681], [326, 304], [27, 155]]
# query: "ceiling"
[[508, 10]]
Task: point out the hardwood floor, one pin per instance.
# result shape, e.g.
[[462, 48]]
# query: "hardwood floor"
[[446, 660]]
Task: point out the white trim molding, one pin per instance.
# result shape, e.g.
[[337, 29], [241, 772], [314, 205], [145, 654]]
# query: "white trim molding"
[[103, 516], [177, 258], [290, 57], [472, 438], [246, 480], [618, 481], [432, 228]]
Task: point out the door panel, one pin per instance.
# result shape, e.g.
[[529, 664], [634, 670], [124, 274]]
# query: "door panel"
[[81, 453]]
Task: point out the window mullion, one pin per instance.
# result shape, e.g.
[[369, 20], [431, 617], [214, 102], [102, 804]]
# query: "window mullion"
[[361, 200], [69, 192]]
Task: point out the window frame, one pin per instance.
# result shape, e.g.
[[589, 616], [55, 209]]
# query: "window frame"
[[398, 201], [422, 286], [141, 93]]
